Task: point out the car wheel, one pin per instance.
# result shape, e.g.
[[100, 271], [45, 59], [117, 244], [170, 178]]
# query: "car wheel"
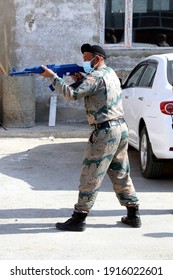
[[150, 167]]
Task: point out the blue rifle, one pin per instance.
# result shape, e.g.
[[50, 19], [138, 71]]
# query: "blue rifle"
[[60, 70]]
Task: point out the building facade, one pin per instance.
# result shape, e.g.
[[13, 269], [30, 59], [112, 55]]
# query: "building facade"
[[46, 32]]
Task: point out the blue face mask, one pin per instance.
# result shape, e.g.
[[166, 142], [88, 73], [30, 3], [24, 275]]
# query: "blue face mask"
[[87, 66]]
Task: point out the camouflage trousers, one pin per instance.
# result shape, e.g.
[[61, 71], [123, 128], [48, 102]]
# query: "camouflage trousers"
[[106, 152]]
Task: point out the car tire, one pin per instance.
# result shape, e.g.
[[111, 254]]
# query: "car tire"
[[150, 167]]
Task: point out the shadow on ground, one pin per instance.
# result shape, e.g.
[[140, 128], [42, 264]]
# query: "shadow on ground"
[[57, 167]]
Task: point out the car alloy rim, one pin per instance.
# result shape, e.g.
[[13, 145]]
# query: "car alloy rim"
[[143, 152]]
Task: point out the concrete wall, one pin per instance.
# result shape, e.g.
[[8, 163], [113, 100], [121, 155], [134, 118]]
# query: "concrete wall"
[[46, 32], [7, 22]]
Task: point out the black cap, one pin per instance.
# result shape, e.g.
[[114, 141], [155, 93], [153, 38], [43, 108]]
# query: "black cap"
[[95, 49]]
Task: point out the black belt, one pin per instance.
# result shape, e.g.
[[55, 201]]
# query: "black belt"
[[108, 124]]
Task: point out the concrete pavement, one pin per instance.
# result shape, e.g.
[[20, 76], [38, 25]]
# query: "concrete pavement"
[[61, 130], [39, 177]]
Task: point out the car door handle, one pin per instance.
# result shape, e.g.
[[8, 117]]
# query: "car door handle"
[[141, 98], [127, 96]]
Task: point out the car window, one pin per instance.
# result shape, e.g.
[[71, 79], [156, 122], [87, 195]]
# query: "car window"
[[148, 76], [134, 77], [170, 72]]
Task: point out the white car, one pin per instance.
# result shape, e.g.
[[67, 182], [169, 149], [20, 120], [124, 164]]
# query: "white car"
[[148, 105]]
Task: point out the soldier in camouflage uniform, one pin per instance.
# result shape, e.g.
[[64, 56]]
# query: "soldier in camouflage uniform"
[[106, 150]]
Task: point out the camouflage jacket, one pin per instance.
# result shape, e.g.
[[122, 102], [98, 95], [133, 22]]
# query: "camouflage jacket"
[[101, 92]]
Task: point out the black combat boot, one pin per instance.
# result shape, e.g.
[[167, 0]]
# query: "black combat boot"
[[133, 218], [75, 223]]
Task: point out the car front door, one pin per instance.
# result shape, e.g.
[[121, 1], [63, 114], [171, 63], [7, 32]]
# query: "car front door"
[[136, 98]]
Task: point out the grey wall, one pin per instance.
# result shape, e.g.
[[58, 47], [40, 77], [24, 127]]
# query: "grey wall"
[[46, 32]]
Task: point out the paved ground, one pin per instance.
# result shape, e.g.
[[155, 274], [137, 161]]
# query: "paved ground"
[[39, 174]]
